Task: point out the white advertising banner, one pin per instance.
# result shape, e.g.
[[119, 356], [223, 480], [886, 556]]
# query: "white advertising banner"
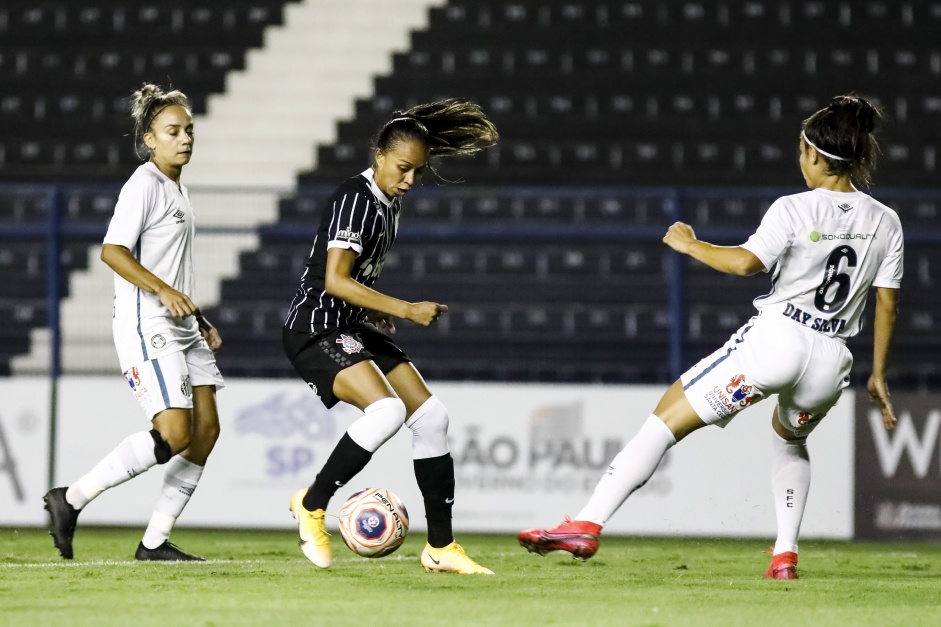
[[525, 455], [24, 446]]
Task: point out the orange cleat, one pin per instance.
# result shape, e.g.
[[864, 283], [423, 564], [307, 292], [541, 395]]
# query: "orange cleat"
[[783, 566], [578, 537]]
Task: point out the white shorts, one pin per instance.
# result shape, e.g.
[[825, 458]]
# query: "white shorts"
[[168, 381], [771, 355]]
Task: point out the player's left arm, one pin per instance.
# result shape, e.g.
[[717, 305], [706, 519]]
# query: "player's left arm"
[[728, 259], [883, 329], [209, 332]]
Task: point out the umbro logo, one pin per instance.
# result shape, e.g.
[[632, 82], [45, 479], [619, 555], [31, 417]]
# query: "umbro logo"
[[845, 207]]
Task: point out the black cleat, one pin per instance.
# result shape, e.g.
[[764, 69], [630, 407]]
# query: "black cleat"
[[62, 519], [166, 552]]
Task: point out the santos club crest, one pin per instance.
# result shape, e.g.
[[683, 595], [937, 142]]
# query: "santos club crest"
[[350, 344]]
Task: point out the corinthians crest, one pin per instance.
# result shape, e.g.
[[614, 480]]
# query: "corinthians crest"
[[349, 344]]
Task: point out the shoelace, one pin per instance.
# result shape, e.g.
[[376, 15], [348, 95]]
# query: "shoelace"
[[321, 535]]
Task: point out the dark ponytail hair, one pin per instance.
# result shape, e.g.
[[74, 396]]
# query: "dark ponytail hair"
[[846, 130], [448, 127], [146, 104]]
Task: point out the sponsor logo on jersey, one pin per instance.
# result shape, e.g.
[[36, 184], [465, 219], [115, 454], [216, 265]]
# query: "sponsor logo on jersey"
[[158, 341], [347, 234], [741, 393], [824, 325], [829, 237], [349, 344], [719, 402], [806, 419], [133, 380], [133, 377]]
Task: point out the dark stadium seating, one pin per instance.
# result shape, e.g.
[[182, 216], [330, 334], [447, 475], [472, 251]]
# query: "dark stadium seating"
[[64, 105], [617, 118]]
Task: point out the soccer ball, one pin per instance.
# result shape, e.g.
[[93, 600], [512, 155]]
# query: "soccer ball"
[[373, 522]]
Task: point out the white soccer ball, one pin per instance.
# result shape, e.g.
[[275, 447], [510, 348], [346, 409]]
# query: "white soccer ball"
[[373, 522]]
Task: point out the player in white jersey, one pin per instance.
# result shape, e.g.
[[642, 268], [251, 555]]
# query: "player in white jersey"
[[827, 247], [332, 339], [165, 345]]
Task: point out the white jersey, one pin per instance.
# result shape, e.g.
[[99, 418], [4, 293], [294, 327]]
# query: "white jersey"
[[830, 248], [154, 220]]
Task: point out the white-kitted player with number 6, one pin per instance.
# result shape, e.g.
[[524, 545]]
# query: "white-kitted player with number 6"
[[826, 248]]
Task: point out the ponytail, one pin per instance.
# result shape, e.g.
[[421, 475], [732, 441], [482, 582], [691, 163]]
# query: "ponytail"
[[843, 133], [146, 104]]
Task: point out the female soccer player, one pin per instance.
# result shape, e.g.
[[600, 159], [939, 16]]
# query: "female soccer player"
[[165, 346], [342, 357], [826, 254]]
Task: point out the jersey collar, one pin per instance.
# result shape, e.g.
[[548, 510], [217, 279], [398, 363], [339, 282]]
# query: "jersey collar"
[[150, 165], [369, 175]]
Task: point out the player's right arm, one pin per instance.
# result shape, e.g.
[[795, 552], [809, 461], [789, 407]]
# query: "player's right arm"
[[128, 268], [887, 310], [339, 282], [728, 259], [132, 215]]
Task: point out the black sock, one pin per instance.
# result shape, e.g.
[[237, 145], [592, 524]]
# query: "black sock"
[[346, 460], [435, 476]]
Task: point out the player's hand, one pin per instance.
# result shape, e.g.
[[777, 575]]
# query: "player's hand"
[[209, 332], [425, 313], [178, 303], [879, 395], [381, 320], [680, 237]]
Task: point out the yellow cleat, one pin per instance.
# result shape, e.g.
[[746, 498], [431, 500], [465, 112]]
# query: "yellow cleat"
[[315, 541], [451, 559]]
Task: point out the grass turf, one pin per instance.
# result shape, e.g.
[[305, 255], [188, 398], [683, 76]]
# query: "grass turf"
[[261, 578]]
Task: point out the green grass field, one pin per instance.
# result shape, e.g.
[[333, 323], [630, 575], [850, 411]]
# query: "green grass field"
[[261, 578]]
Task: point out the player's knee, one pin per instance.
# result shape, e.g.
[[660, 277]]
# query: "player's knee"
[[381, 421], [429, 425], [162, 449]]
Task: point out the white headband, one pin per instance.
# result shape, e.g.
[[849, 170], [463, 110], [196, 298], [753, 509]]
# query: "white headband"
[[401, 118], [825, 154]]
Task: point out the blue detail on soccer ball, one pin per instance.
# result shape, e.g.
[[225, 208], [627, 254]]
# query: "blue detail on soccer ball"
[[371, 524]]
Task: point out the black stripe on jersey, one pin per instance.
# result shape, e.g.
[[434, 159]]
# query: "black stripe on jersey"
[[355, 216]]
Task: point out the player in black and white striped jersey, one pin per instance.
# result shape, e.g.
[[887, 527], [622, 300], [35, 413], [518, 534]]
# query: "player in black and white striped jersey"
[[332, 339]]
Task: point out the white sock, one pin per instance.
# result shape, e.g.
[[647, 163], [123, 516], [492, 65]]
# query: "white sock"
[[380, 422], [629, 470], [790, 484], [178, 486], [429, 425], [128, 459]]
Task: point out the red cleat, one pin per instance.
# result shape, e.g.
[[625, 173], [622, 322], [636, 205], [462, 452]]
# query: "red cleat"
[[578, 537], [783, 566]]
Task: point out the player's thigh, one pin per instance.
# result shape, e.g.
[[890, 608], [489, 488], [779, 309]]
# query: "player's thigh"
[[206, 380], [362, 385], [801, 408], [337, 366], [676, 412], [409, 386], [161, 384], [725, 382]]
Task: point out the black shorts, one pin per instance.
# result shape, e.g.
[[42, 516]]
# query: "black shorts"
[[319, 357]]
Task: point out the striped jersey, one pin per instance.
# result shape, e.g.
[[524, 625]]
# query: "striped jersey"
[[360, 217], [154, 220], [827, 250]]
